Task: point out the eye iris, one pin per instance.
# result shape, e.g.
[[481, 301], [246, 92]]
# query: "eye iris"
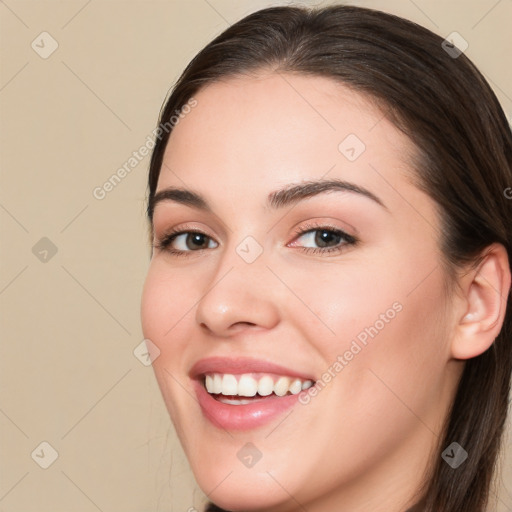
[[196, 238], [323, 238]]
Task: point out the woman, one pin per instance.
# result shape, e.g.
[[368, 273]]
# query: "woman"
[[331, 266]]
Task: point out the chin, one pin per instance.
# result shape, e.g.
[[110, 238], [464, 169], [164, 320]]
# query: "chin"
[[243, 493]]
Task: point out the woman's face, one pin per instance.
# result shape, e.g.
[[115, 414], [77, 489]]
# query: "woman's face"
[[316, 260]]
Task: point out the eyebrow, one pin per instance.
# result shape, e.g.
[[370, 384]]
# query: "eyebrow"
[[289, 195]]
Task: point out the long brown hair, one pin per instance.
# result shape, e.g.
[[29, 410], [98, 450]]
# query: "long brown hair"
[[447, 109]]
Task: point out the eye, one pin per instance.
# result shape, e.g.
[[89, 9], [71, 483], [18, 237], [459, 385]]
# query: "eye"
[[182, 242], [322, 239], [192, 241], [309, 239]]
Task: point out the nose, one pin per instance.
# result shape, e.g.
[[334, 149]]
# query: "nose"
[[239, 296]]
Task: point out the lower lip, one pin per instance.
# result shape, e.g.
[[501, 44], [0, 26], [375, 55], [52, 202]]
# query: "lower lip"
[[242, 417]]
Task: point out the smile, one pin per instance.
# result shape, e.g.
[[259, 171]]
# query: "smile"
[[252, 386], [242, 394]]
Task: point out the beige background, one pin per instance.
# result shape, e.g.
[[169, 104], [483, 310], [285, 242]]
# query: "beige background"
[[70, 324]]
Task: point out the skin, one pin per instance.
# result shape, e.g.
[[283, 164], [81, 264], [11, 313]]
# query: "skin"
[[363, 443]]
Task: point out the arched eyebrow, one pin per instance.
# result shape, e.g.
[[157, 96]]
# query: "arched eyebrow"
[[287, 196], [293, 193]]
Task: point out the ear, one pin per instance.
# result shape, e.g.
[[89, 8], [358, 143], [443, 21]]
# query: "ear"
[[485, 295]]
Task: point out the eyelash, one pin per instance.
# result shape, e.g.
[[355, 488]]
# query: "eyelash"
[[163, 244]]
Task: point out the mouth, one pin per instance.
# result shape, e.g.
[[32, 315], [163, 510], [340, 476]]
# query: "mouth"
[[243, 394], [249, 388]]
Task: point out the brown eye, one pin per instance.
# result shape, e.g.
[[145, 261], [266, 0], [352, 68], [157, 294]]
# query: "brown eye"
[[196, 241], [191, 241], [324, 238], [184, 243]]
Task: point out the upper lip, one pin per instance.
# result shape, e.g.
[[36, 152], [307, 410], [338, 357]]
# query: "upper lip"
[[240, 365]]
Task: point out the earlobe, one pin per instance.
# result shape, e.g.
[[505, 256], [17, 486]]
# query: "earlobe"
[[486, 295]]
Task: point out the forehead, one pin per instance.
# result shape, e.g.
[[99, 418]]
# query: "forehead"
[[263, 132]]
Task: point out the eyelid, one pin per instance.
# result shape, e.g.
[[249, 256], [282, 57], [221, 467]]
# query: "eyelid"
[[162, 242], [333, 223], [209, 223], [183, 228], [322, 225]]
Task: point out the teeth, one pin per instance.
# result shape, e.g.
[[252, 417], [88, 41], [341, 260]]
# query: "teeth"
[[281, 386], [229, 385], [266, 386], [217, 383], [307, 384], [296, 386], [248, 386]]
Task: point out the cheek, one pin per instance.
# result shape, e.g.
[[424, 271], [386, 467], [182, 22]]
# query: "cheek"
[[380, 331], [395, 294], [165, 306], [345, 303], [164, 302], [384, 365]]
